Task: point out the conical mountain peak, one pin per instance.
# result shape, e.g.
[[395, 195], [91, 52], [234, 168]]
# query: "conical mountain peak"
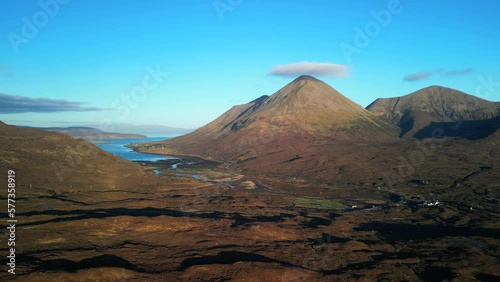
[[303, 109], [307, 77], [309, 96], [267, 132]]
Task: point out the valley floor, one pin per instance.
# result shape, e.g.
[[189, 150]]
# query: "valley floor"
[[210, 224]]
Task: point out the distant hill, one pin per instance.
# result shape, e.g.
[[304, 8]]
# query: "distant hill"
[[49, 162], [298, 130], [92, 133], [419, 113], [146, 129]]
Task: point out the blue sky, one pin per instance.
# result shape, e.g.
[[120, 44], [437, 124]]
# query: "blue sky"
[[183, 63]]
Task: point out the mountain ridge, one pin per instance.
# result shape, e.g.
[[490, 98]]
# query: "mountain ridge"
[[417, 110]]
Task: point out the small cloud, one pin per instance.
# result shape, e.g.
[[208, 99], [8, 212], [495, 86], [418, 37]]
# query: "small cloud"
[[311, 68], [423, 75], [439, 70], [417, 76], [458, 72], [12, 104]]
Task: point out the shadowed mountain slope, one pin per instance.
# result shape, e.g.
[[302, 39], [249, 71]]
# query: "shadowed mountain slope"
[[469, 129]]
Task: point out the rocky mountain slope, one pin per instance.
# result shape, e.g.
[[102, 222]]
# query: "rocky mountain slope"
[[294, 130]]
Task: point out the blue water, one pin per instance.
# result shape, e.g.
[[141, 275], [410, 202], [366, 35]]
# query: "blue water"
[[117, 147]]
